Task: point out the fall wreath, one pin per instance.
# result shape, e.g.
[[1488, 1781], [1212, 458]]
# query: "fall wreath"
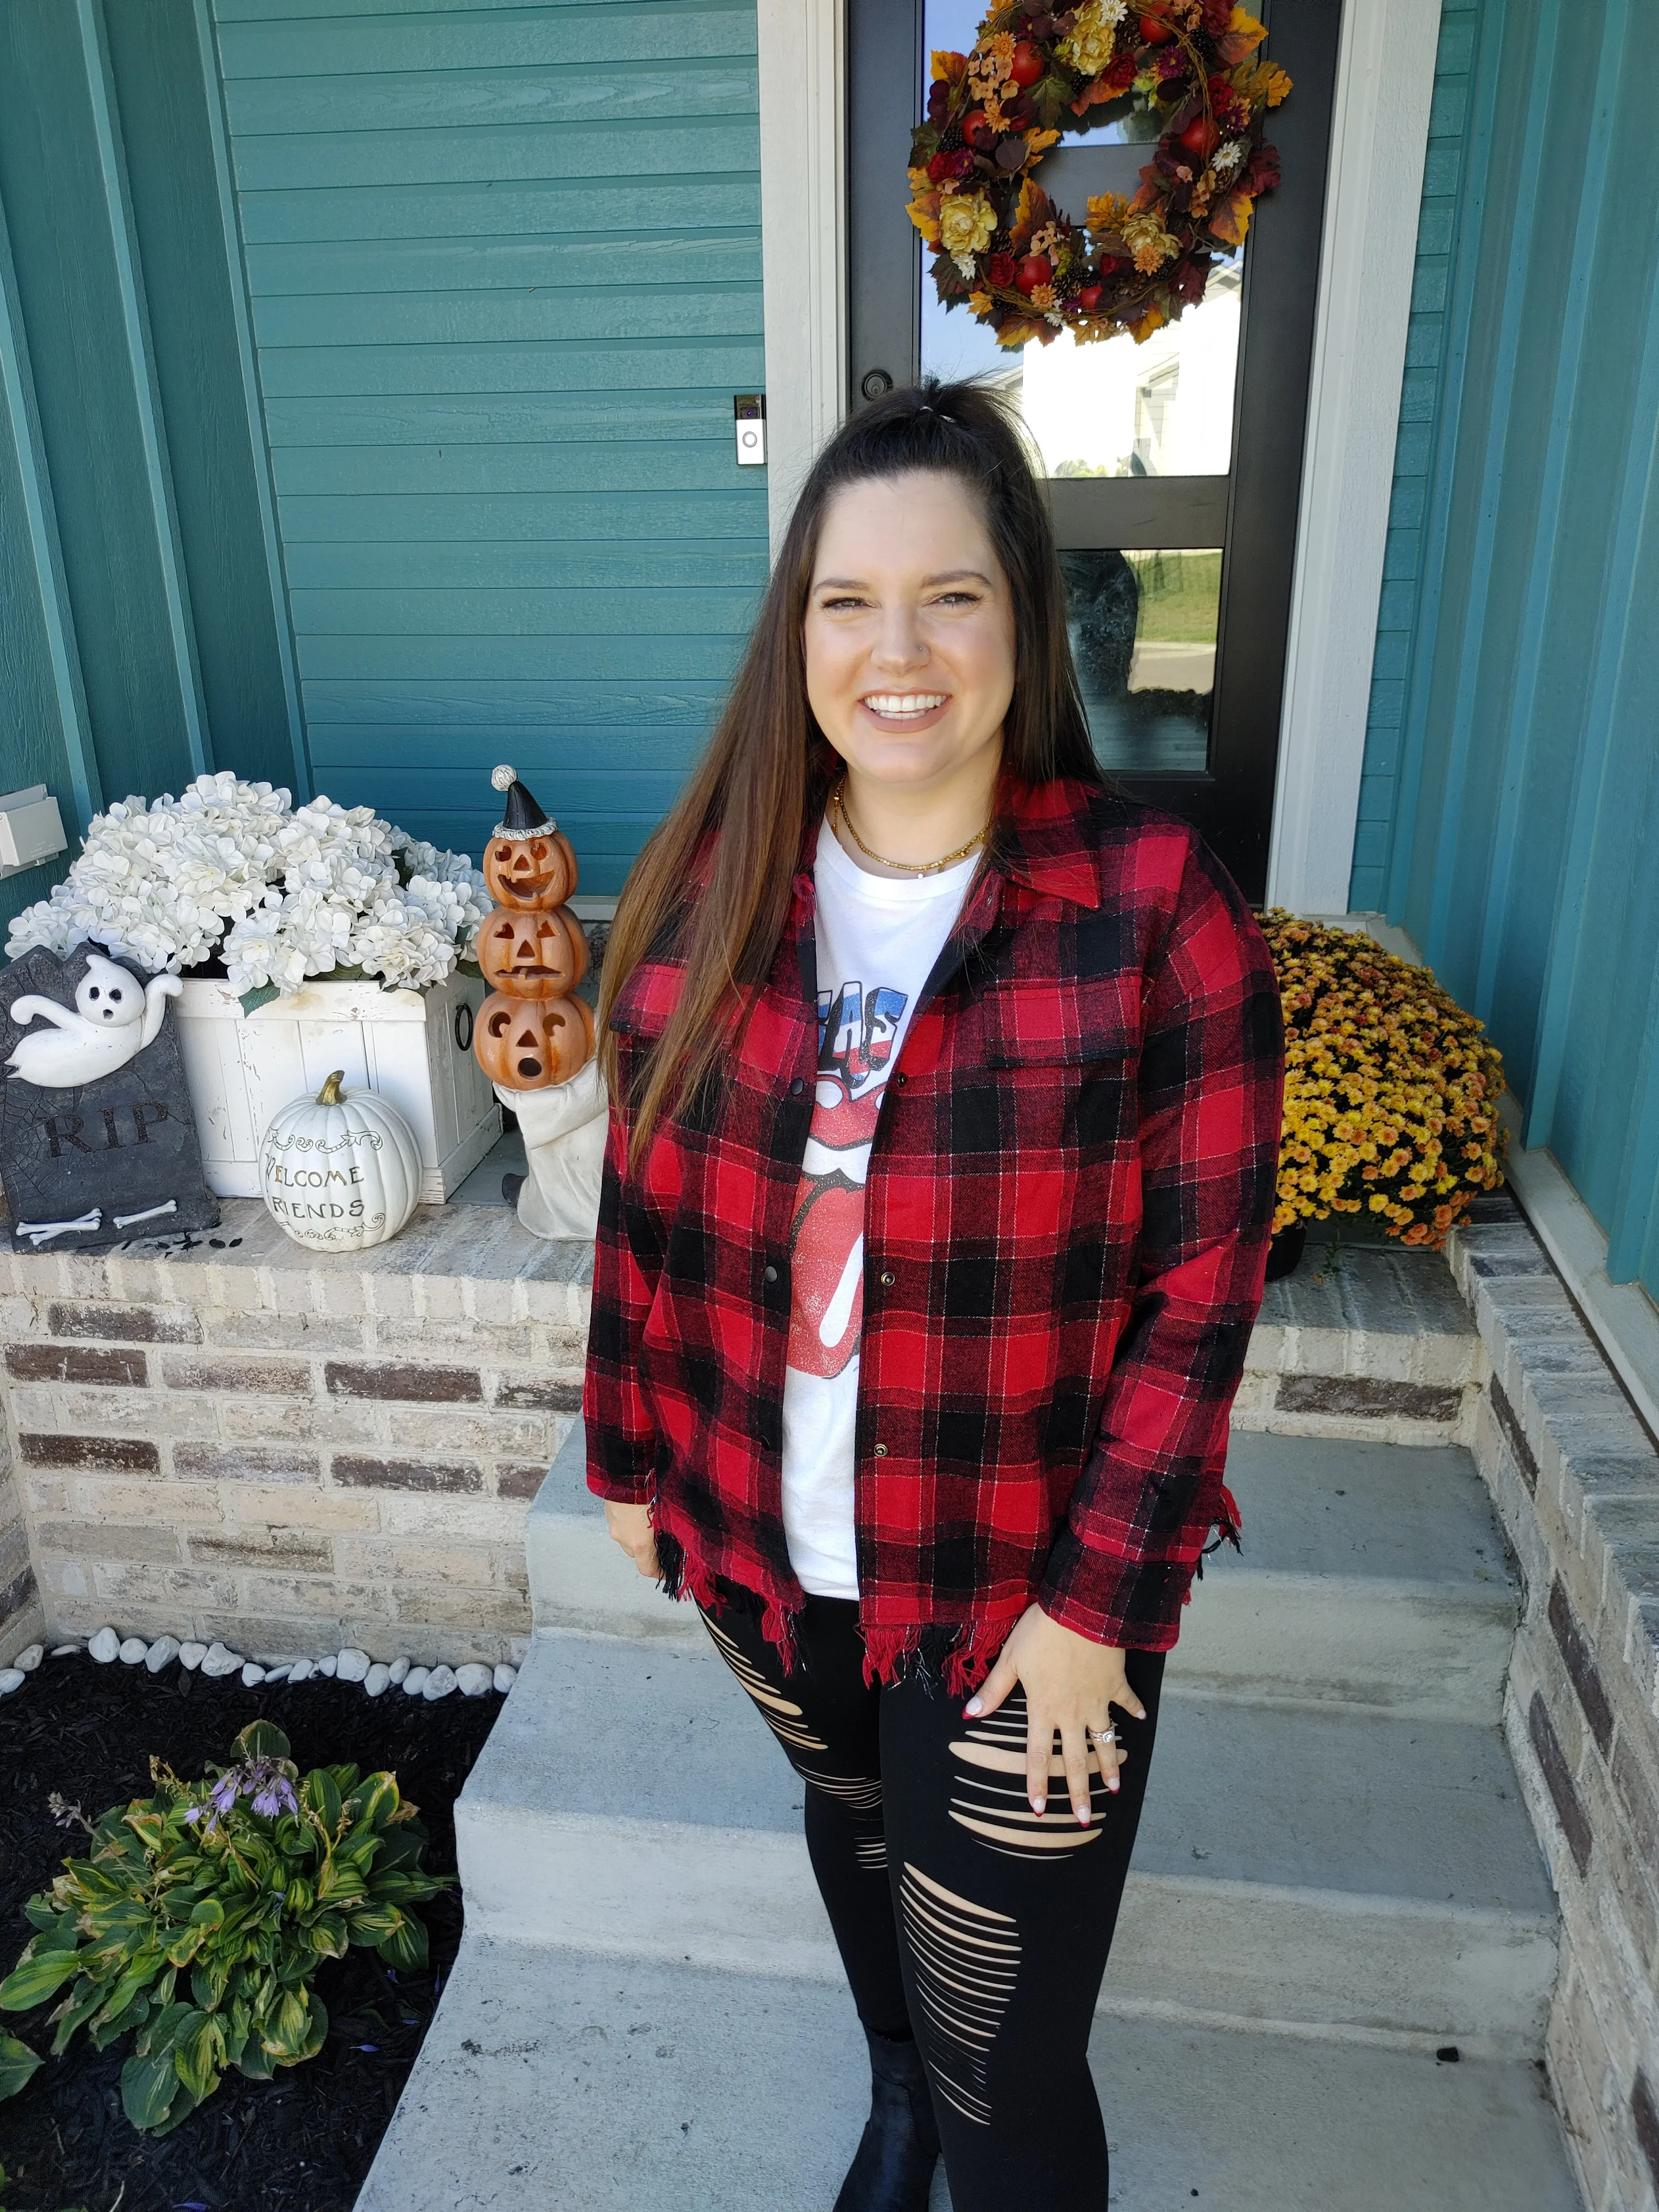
[[999, 244]]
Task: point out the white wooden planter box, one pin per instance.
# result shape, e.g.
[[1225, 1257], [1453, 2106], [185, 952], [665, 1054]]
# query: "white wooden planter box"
[[415, 1048]]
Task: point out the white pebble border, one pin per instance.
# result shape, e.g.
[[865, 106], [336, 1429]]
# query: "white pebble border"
[[375, 1676]]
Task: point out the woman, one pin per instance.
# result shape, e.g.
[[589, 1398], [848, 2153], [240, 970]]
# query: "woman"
[[945, 1124]]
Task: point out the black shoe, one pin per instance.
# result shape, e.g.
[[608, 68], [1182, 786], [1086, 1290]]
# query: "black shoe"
[[511, 1186], [893, 2170]]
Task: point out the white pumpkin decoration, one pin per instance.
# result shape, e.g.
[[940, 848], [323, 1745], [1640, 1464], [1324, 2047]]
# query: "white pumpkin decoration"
[[340, 1173]]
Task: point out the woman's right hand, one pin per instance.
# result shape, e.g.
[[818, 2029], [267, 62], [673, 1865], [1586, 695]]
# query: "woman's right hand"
[[630, 1527]]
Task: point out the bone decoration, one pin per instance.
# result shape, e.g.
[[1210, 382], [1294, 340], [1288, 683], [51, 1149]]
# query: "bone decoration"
[[42, 1232]]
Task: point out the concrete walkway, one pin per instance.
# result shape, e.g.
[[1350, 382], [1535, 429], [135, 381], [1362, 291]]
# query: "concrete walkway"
[[1335, 1879], [590, 2084]]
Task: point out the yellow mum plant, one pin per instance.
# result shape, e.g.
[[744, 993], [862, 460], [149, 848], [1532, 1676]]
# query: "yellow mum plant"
[[1391, 1089]]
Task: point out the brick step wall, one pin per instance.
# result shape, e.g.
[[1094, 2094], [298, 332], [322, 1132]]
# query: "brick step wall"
[[236, 1437], [289, 1450], [1575, 1476]]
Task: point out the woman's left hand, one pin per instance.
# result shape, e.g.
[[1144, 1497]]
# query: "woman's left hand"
[[1070, 1685]]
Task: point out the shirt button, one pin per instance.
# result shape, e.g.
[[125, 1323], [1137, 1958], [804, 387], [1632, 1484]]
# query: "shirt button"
[[901, 1079], [881, 1451], [888, 1278], [771, 1274], [797, 1085]]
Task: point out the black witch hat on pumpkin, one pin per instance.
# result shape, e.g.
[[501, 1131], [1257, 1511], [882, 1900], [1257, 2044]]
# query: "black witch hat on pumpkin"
[[523, 816]]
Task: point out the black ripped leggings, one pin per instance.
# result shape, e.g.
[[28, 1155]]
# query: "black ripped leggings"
[[954, 1909]]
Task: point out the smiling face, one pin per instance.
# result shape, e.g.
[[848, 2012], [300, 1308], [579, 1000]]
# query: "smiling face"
[[909, 633]]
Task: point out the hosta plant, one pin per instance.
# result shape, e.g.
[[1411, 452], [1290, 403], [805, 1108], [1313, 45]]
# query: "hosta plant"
[[200, 1917]]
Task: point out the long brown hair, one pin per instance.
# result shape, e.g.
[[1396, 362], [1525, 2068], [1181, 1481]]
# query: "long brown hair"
[[723, 860]]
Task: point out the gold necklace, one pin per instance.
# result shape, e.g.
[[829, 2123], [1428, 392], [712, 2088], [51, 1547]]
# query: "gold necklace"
[[838, 814]]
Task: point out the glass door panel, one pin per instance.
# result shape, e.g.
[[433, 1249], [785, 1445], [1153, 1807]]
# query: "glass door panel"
[[1173, 468], [1113, 408], [1163, 408], [1144, 627]]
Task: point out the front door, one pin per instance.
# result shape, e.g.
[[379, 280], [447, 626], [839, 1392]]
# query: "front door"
[[1175, 467]]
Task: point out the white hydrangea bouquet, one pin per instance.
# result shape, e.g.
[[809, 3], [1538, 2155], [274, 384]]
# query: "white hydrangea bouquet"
[[236, 874]]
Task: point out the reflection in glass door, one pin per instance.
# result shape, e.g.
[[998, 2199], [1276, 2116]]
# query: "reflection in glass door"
[[1174, 467], [1142, 627]]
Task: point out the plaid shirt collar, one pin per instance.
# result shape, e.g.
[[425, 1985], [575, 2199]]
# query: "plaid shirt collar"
[[1044, 840]]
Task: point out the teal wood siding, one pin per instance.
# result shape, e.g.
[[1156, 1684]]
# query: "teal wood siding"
[[1425, 370], [503, 265], [140, 641], [1519, 846], [43, 731]]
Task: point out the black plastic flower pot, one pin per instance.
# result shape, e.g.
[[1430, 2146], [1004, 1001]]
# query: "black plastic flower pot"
[[1285, 1253]]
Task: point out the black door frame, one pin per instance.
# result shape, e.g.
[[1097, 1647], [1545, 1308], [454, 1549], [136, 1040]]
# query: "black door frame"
[[1252, 513]]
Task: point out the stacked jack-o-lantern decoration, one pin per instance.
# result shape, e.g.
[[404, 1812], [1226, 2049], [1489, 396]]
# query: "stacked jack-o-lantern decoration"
[[532, 1031]]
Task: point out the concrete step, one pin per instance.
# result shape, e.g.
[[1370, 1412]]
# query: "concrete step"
[[1371, 1575], [578, 1577], [1364, 1338], [1366, 1874], [552, 2082], [1335, 1875]]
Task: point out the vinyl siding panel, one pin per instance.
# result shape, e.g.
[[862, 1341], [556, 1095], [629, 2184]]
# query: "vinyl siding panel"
[[503, 267], [1425, 359], [1510, 809], [137, 550]]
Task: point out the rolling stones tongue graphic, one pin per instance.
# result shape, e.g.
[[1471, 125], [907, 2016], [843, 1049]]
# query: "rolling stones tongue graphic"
[[856, 1031]]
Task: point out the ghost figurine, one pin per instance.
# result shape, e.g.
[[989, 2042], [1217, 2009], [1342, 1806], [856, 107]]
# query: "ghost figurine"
[[564, 1130], [115, 1017]]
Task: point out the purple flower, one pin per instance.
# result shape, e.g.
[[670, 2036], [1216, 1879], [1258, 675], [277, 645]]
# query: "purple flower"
[[261, 1779], [275, 1795]]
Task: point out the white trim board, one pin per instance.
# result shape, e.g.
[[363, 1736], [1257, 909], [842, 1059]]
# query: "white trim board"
[[802, 57], [1621, 1316], [1379, 138]]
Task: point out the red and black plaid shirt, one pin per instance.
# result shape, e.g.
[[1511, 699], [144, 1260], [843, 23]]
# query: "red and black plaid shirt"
[[1070, 1197]]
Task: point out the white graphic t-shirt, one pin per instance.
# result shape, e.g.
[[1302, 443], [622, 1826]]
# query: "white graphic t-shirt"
[[876, 942]]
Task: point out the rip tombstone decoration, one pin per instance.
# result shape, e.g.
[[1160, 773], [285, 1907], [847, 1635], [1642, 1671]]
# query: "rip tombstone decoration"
[[98, 1141]]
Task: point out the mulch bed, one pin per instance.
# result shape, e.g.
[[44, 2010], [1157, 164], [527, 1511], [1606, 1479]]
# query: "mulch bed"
[[303, 2141]]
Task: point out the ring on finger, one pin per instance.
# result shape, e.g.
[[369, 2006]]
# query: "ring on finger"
[[1107, 1735]]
